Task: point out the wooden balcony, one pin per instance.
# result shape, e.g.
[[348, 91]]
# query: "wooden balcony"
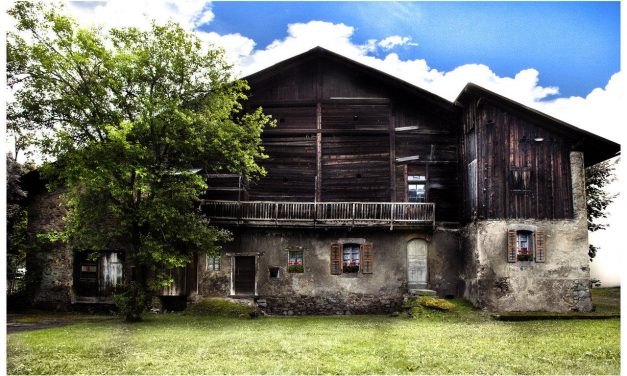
[[322, 214]]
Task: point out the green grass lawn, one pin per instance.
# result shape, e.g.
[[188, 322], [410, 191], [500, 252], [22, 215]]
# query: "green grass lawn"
[[462, 341]]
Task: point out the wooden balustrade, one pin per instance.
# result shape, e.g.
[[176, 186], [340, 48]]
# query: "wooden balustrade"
[[357, 214]]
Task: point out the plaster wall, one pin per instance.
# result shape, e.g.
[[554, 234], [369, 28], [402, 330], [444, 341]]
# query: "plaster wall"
[[561, 283], [316, 290]]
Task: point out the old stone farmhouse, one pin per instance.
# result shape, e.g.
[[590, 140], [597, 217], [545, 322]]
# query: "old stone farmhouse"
[[377, 189]]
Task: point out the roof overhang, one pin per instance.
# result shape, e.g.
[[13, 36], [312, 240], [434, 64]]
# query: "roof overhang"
[[595, 148]]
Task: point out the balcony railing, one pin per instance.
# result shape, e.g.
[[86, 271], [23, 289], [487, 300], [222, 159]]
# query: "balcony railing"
[[354, 214]]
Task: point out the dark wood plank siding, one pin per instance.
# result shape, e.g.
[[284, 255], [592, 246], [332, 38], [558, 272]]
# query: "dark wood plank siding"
[[339, 81], [355, 165], [291, 166], [339, 131], [523, 169], [294, 84], [433, 140]]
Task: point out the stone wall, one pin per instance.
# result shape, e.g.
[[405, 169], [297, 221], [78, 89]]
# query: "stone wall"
[[561, 283], [332, 304], [214, 282], [51, 262], [316, 290]]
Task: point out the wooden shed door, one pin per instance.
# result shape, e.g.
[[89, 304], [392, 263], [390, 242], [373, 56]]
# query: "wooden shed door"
[[417, 264], [244, 279]]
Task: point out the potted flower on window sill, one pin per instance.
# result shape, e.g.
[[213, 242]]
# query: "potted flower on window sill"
[[351, 267], [296, 267], [524, 255]]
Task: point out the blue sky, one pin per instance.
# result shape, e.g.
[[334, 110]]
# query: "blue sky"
[[574, 45]]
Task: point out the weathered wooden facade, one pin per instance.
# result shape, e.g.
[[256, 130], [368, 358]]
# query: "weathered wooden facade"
[[480, 198], [376, 189]]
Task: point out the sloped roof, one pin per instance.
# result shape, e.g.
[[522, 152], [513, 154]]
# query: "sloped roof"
[[319, 52], [595, 148]]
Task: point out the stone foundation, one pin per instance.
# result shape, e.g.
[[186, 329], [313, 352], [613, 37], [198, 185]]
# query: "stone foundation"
[[329, 304]]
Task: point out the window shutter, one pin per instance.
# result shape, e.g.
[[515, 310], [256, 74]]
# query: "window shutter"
[[540, 246], [511, 245], [336, 258], [366, 258]]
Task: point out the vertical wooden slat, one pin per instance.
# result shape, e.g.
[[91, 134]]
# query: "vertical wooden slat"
[[318, 183], [511, 246], [540, 246], [392, 134], [367, 258], [336, 258]]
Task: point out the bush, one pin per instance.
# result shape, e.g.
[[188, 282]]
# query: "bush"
[[132, 302], [221, 307]]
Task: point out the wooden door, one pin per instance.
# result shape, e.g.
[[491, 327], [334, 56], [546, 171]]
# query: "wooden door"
[[417, 264], [244, 278]]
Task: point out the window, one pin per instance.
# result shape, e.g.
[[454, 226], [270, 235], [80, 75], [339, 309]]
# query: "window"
[[213, 263], [275, 272], [416, 188], [89, 268], [350, 258], [525, 245], [520, 179], [295, 262]]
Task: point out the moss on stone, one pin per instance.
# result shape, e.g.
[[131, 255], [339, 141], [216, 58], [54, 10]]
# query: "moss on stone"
[[415, 307]]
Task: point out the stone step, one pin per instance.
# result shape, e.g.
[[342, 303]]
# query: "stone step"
[[422, 292]]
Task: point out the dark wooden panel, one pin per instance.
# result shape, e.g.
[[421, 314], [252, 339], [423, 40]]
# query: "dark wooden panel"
[[523, 169], [302, 117], [244, 279], [295, 83], [355, 116], [343, 82]]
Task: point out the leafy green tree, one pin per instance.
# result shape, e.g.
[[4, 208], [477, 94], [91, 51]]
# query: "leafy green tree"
[[598, 199], [17, 222], [126, 116]]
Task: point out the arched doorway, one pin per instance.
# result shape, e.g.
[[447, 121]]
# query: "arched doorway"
[[417, 264]]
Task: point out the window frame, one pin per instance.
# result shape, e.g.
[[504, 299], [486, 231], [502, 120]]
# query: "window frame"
[[530, 237], [525, 245], [354, 264], [293, 264], [216, 263], [417, 181]]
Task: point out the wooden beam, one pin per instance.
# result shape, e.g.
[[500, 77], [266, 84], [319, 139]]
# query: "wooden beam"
[[392, 157], [410, 158], [405, 129], [318, 183], [301, 131]]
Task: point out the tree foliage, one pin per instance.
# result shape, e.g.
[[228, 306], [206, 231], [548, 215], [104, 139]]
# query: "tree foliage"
[[17, 222], [598, 199], [126, 116]]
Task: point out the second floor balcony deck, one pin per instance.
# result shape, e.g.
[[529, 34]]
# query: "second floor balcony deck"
[[322, 214]]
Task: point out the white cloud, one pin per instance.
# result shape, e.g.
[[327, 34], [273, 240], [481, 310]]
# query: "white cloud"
[[237, 47], [395, 40], [139, 13]]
